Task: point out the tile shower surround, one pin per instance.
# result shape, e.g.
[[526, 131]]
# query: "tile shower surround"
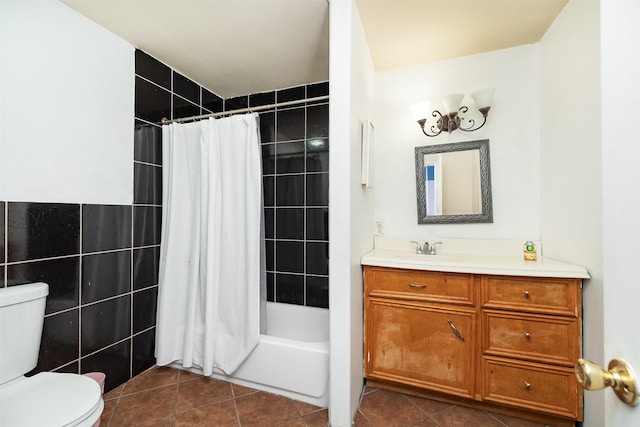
[[101, 261]]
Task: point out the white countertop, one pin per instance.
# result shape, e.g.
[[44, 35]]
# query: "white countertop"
[[477, 257]]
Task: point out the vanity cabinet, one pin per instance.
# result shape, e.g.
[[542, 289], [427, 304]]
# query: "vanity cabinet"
[[420, 329], [506, 341]]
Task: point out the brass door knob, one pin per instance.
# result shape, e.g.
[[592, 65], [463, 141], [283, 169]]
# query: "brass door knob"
[[620, 377]]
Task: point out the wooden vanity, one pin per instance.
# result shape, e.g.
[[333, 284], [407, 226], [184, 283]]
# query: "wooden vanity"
[[506, 343]]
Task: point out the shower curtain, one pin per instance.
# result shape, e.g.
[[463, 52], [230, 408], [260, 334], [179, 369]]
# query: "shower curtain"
[[210, 276]]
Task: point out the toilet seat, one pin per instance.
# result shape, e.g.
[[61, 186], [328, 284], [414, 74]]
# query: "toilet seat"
[[51, 399]]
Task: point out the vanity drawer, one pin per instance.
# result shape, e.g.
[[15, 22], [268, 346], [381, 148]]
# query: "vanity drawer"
[[552, 390], [540, 295], [547, 339], [419, 285]]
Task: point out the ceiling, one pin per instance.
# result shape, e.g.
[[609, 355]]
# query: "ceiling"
[[237, 47]]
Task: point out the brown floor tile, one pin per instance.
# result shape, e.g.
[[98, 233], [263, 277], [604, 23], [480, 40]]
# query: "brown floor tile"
[[115, 393], [515, 422], [187, 375], [305, 408], [162, 422], [458, 416], [219, 414], [369, 389], [201, 391], [361, 420], [428, 406], [263, 409], [144, 406], [155, 377], [295, 422], [107, 412], [426, 423], [318, 418], [386, 408], [239, 390]]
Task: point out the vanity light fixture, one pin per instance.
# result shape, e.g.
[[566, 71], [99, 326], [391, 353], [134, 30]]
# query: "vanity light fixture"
[[451, 120]]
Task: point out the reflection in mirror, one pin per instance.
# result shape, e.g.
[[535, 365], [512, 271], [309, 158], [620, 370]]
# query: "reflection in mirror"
[[453, 183]]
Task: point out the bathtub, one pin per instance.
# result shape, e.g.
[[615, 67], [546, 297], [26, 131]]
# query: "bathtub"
[[292, 358]]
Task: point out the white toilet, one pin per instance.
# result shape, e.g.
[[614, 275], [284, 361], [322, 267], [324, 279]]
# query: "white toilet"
[[45, 399]]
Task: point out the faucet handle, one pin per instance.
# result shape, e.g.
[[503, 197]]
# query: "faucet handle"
[[418, 247], [432, 248]]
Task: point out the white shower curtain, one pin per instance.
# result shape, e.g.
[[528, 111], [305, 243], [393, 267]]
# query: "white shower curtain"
[[209, 289]]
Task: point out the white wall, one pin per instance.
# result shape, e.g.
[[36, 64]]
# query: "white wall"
[[350, 208], [66, 109], [513, 129], [571, 174]]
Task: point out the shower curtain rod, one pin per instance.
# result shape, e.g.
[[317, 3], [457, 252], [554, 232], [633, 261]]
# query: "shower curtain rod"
[[166, 121]]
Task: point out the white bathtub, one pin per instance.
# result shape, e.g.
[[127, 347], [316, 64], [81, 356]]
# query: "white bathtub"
[[292, 359]]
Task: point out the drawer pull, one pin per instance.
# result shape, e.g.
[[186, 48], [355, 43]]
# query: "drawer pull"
[[527, 294], [455, 330], [417, 285], [527, 385], [527, 335]]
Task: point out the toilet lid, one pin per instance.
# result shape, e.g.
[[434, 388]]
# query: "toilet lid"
[[49, 399]]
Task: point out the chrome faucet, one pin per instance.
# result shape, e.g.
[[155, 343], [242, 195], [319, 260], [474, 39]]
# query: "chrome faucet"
[[428, 249]]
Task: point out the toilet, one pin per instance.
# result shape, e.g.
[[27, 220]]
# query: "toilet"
[[46, 399]]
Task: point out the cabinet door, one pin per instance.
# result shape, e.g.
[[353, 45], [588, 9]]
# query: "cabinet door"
[[423, 346]]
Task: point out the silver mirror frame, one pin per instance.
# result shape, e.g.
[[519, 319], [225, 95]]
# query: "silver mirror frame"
[[485, 183]]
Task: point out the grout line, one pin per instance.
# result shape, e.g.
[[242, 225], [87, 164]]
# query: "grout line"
[[147, 121], [129, 293], [5, 227], [140, 162], [80, 265], [107, 251], [154, 83]]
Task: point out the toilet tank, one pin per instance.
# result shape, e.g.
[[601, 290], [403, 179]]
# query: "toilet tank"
[[21, 320]]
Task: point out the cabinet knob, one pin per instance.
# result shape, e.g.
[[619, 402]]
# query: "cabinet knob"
[[527, 385], [527, 335], [527, 294], [417, 285]]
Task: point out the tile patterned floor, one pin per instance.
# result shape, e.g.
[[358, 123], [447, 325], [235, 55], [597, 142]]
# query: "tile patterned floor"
[[383, 408], [165, 397]]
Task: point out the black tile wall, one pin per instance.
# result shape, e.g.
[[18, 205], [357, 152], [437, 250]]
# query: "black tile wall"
[[295, 167], [61, 274], [147, 143], [106, 227], [152, 69], [186, 88], [211, 103], [105, 275], [2, 226], [42, 230]]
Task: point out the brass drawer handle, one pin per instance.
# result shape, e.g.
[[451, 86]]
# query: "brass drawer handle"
[[455, 330], [527, 385], [527, 335], [527, 294], [417, 285]]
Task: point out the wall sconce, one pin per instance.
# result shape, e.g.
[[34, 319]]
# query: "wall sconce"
[[451, 120]]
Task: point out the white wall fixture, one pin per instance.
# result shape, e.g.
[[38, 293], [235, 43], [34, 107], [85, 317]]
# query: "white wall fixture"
[[451, 120], [367, 154]]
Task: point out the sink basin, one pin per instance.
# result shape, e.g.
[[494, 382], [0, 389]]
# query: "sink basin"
[[426, 258]]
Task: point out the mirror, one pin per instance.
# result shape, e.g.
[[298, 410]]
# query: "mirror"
[[453, 183]]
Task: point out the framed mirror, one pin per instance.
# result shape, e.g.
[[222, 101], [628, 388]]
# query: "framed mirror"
[[453, 183]]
